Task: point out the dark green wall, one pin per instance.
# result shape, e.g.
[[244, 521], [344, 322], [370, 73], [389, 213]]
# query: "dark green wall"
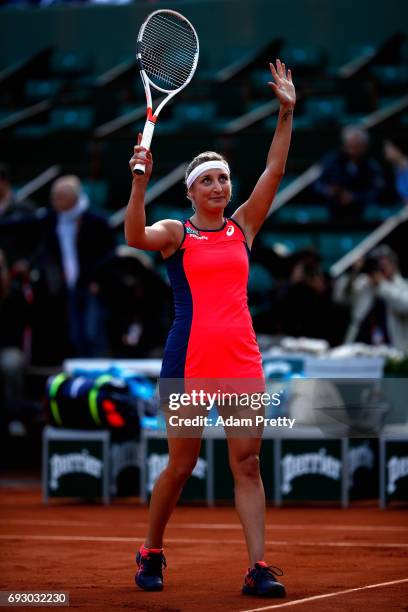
[[224, 26]]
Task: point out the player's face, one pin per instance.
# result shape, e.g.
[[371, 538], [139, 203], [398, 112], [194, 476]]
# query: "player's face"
[[211, 190]]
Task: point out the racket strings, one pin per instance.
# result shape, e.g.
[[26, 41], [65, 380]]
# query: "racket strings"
[[153, 59], [177, 62], [151, 65], [168, 51], [184, 32], [154, 71], [151, 39]]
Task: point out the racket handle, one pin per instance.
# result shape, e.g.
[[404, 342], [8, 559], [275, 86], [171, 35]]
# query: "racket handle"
[[146, 140]]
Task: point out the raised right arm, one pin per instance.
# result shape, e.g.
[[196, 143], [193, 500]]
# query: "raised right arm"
[[164, 236]]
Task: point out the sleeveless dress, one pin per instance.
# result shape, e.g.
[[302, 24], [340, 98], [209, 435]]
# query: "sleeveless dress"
[[212, 336]]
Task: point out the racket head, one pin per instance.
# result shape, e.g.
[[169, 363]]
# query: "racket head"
[[167, 50]]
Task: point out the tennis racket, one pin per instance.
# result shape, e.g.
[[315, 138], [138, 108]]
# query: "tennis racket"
[[167, 56]]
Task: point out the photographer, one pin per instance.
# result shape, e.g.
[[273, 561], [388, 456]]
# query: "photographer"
[[378, 297]]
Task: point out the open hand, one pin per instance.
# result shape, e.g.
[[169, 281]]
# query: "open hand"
[[282, 86]]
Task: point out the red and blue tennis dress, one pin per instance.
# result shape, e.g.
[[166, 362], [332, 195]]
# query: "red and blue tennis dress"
[[212, 336]]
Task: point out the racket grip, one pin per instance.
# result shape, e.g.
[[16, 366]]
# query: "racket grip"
[[146, 140]]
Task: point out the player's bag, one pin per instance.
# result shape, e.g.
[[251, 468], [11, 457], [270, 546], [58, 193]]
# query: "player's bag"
[[76, 402]]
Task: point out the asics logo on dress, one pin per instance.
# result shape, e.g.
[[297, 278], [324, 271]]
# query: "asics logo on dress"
[[230, 230]]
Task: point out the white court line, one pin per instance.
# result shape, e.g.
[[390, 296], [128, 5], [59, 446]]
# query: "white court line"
[[214, 526], [327, 595], [287, 526], [135, 538], [193, 541], [59, 523]]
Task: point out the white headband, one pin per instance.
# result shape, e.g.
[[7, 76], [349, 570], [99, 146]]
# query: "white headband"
[[208, 165]]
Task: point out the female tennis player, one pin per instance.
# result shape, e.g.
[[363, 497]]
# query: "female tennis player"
[[212, 335]]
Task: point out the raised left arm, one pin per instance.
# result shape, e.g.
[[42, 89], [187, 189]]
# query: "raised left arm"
[[251, 214]]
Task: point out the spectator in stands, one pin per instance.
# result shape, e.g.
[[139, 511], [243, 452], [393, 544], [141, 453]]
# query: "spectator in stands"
[[14, 328], [305, 308], [350, 178], [395, 154], [16, 220], [10, 205], [378, 297], [139, 304], [75, 247]]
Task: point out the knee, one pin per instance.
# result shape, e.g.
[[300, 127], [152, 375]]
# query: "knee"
[[180, 472], [246, 467]]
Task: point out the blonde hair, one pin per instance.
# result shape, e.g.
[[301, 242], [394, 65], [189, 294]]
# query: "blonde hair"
[[201, 158]]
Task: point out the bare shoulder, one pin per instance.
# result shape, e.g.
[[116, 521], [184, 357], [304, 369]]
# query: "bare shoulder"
[[164, 236], [175, 230], [172, 225]]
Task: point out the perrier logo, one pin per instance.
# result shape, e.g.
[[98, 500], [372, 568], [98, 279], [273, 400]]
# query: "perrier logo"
[[82, 462], [397, 468], [319, 463]]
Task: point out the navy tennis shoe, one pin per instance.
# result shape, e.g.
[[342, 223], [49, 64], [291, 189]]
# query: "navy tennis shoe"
[[260, 581], [150, 574]]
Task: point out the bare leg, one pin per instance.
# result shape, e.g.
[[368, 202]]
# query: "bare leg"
[[183, 454], [249, 493]]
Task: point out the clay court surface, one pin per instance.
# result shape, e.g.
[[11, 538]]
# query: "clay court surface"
[[333, 559]]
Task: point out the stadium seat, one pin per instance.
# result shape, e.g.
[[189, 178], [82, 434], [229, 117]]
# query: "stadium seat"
[[78, 118], [391, 77], [32, 130], [194, 112], [292, 241], [303, 58], [380, 213], [310, 213], [40, 89], [324, 110], [70, 63], [335, 245]]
